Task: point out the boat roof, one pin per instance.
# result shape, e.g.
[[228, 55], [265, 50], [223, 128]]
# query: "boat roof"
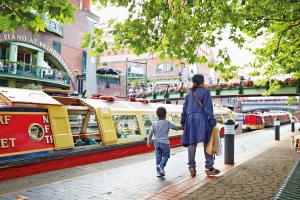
[[37, 98], [25, 97], [127, 105]]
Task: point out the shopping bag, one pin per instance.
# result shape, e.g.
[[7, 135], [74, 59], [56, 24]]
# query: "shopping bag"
[[219, 146], [211, 147]]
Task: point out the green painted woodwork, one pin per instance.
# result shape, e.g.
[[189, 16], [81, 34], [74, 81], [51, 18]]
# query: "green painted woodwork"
[[284, 91], [12, 83]]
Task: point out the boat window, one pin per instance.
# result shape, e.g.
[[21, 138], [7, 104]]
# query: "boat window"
[[127, 126], [76, 124], [148, 120], [175, 119], [225, 117], [219, 118]]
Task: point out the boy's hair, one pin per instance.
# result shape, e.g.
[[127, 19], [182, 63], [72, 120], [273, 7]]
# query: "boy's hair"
[[161, 112]]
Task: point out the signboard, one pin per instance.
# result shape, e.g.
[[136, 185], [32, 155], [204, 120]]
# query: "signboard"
[[136, 71], [22, 132]]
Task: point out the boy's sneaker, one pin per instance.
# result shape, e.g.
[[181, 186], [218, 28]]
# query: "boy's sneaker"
[[160, 170], [158, 174]]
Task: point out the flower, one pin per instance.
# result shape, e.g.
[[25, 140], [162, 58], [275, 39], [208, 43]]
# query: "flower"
[[183, 89], [211, 86]]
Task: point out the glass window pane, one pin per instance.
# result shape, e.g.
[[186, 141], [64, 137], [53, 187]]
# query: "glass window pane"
[[159, 67], [148, 120], [219, 118], [127, 126], [170, 67], [175, 119], [225, 117]]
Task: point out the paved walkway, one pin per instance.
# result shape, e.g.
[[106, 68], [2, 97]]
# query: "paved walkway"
[[261, 166]]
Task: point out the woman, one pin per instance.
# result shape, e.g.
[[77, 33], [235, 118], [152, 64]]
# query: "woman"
[[198, 121]]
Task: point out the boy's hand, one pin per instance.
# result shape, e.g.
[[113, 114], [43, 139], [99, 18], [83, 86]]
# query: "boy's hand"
[[149, 145]]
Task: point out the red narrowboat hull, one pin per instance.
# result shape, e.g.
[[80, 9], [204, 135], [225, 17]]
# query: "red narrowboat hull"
[[21, 169]]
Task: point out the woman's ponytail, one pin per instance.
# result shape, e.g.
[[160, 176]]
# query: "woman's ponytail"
[[193, 89]]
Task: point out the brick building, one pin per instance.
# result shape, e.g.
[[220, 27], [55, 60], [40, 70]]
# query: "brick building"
[[52, 59], [156, 72]]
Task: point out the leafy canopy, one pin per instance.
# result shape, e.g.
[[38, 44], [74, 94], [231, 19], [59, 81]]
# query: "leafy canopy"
[[174, 29], [28, 14]]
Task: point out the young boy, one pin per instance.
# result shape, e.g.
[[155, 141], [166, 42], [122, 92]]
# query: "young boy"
[[160, 131]]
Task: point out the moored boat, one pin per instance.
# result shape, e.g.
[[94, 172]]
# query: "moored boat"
[[40, 133], [257, 121]]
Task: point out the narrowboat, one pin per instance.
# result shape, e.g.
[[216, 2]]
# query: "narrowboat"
[[257, 121], [41, 133]]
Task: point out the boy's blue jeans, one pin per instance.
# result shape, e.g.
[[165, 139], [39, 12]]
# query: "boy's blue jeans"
[[162, 152]]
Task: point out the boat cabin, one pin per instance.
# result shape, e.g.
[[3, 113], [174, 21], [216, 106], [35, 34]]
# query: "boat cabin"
[[32, 121]]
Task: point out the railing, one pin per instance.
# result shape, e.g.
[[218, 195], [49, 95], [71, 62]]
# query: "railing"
[[34, 72], [108, 78], [53, 26], [267, 101]]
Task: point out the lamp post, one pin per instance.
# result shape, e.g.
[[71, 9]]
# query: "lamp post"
[[76, 89], [79, 81]]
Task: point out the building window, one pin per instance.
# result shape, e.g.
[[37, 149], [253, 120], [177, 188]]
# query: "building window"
[[57, 46], [108, 53], [170, 67], [122, 52], [115, 53], [159, 68]]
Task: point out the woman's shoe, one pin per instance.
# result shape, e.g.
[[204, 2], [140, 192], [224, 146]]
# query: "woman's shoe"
[[192, 172], [212, 171]]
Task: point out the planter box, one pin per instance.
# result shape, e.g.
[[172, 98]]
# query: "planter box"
[[254, 91], [171, 96]]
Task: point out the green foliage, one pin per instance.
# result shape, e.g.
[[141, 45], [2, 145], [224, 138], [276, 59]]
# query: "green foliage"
[[28, 14], [292, 100], [32, 86], [174, 29]]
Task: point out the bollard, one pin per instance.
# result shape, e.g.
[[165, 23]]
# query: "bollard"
[[277, 128], [229, 141], [293, 124]]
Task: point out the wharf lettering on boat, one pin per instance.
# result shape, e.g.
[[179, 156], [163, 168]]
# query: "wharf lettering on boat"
[[4, 119], [25, 132], [49, 138], [7, 142]]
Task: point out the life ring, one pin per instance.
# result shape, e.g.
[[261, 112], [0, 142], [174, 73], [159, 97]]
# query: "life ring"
[[110, 98], [95, 96], [107, 98], [104, 97], [132, 100], [143, 100]]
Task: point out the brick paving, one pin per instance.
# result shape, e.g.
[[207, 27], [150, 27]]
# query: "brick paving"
[[261, 166], [257, 178]]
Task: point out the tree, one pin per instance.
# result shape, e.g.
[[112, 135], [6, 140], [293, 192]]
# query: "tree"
[[174, 29], [28, 14]]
